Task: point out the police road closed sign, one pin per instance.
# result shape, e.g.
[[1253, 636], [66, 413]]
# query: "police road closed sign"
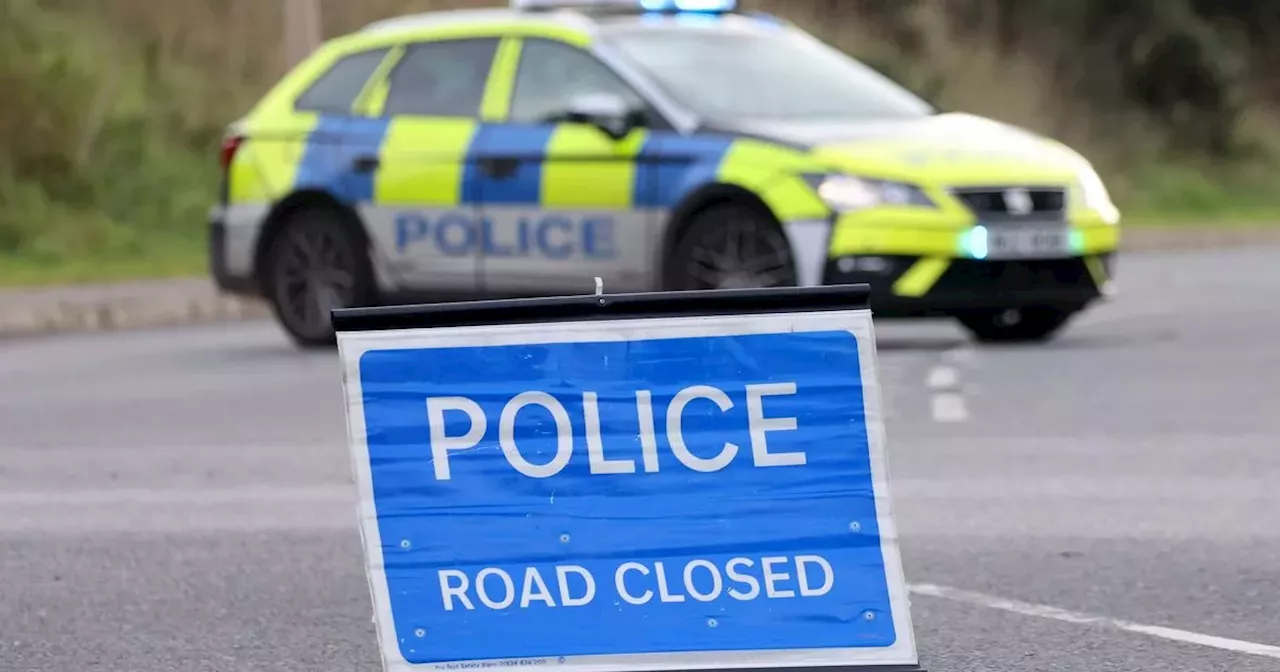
[[642, 492]]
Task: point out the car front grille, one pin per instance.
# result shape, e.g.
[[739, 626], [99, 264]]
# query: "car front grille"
[[971, 276], [995, 204]]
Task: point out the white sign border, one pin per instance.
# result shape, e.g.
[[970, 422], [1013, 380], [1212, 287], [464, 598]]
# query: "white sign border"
[[353, 345]]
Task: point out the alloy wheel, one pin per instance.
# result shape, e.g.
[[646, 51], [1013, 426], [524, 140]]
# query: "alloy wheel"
[[742, 255], [314, 274]]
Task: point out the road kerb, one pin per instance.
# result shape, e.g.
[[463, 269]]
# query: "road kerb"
[[120, 306]]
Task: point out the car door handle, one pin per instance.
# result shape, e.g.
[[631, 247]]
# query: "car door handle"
[[500, 168], [366, 164]]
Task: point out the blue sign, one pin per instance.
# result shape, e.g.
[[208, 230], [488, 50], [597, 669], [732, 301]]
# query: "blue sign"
[[608, 497], [549, 236]]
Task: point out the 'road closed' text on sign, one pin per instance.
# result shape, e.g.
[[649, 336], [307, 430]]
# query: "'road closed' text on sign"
[[671, 493]]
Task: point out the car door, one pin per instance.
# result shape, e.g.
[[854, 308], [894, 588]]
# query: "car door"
[[558, 200], [424, 219]]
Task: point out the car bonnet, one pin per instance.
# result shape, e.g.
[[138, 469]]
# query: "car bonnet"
[[954, 149]]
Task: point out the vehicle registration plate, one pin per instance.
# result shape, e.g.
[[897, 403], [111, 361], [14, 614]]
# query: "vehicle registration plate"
[[1027, 242]]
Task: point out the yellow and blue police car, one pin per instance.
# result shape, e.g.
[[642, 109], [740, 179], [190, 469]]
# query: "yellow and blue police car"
[[656, 144]]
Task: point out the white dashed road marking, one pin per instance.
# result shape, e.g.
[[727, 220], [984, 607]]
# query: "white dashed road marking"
[[943, 378], [958, 356], [947, 402], [1056, 614], [949, 407]]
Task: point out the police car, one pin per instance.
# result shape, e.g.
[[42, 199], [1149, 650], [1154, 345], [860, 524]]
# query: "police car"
[[656, 144]]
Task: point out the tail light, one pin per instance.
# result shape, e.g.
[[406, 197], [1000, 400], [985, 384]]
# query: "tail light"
[[230, 145]]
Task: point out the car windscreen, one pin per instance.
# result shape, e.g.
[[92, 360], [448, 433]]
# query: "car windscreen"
[[763, 74]]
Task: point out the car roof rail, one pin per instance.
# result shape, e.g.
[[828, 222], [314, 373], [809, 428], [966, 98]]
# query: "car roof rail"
[[628, 6], [417, 19]]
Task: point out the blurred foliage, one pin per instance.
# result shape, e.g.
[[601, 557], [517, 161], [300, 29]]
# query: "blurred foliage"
[[99, 156], [113, 108]]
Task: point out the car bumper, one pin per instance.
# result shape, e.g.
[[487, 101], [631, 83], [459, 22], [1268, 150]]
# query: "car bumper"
[[915, 286], [230, 257]]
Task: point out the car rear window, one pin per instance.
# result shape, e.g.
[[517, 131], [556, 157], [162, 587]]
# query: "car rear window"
[[336, 90], [445, 78]]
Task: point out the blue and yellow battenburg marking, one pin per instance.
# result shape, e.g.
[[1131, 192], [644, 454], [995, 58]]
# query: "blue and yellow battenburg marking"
[[438, 163]]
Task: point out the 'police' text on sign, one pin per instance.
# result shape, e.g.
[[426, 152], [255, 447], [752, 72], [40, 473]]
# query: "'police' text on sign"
[[587, 426]]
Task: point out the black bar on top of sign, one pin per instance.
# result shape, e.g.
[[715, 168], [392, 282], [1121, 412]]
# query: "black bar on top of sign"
[[552, 309]]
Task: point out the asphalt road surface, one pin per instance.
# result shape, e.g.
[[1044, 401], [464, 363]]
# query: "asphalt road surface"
[[182, 500]]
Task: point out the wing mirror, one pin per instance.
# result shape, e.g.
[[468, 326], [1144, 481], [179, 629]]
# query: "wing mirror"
[[607, 112]]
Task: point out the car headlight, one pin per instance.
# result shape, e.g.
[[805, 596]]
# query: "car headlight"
[[846, 193], [1095, 196]]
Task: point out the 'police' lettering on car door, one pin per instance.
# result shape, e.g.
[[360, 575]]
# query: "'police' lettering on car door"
[[548, 236]]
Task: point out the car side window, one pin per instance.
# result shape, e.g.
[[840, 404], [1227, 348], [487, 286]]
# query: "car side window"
[[337, 89], [445, 79], [551, 74]]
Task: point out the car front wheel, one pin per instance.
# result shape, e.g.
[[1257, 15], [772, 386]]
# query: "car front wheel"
[[731, 246]]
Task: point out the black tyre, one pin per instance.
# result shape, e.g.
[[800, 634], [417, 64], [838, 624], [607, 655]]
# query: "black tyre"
[[316, 261], [730, 246], [1025, 325]]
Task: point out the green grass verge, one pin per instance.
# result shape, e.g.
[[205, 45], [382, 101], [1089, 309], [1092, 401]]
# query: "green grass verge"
[[177, 259], [108, 161], [1192, 220], [1243, 195]]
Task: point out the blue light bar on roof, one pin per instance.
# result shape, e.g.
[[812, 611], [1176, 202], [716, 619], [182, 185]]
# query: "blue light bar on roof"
[[713, 6], [704, 6], [570, 4]]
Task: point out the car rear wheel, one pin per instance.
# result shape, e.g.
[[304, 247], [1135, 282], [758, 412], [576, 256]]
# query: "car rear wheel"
[[731, 246], [1022, 325], [315, 264]]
